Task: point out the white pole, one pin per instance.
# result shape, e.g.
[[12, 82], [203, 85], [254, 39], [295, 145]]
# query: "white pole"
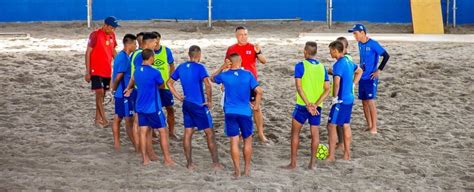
[[330, 14], [454, 13], [447, 13], [209, 13], [89, 13]]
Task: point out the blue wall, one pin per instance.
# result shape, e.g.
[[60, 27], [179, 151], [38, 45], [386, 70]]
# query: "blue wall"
[[380, 11]]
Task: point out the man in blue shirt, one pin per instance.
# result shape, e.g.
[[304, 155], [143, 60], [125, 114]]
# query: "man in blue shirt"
[[195, 107], [312, 88], [345, 75], [164, 62], [238, 84], [148, 107], [370, 51], [124, 107]]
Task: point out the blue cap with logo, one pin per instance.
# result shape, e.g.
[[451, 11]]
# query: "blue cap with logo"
[[112, 21], [358, 27]]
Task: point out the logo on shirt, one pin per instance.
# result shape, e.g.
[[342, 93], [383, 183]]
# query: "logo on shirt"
[[248, 52], [141, 68], [158, 62], [236, 73], [367, 48], [188, 65]]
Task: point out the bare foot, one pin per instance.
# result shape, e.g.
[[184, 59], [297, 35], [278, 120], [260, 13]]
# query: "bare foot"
[[347, 157], [247, 173], [311, 166], [117, 147], [153, 157], [217, 166], [288, 167], [330, 160], [146, 161], [236, 175], [191, 166], [169, 163], [262, 139], [174, 137]]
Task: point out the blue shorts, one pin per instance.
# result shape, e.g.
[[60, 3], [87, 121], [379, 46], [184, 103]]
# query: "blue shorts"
[[368, 89], [238, 124], [340, 114], [124, 107], [153, 120], [166, 98], [301, 114], [195, 115]]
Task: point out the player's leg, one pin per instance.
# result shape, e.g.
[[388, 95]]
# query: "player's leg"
[[116, 131], [211, 144], [368, 116], [295, 142], [170, 117], [149, 146], [314, 144], [340, 137], [129, 130], [332, 137], [258, 118], [246, 127], [188, 135], [143, 141], [235, 154], [373, 116], [136, 132], [347, 141]]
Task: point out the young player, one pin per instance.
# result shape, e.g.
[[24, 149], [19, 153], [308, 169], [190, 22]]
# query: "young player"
[[196, 114], [124, 106], [238, 84], [312, 86], [148, 107], [164, 62], [345, 75], [369, 51]]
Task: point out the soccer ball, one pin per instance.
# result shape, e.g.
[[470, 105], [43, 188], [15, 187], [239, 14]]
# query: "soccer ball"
[[322, 152]]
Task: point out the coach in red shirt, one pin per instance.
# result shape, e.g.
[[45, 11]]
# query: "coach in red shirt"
[[249, 53], [99, 55]]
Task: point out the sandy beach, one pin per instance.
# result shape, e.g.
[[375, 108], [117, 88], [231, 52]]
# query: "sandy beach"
[[425, 106]]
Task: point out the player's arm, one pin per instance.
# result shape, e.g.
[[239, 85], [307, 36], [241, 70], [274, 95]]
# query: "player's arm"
[[208, 89], [258, 97], [87, 75], [224, 66], [172, 68], [324, 95], [129, 88], [258, 53], [336, 86], [357, 75], [116, 81], [175, 93]]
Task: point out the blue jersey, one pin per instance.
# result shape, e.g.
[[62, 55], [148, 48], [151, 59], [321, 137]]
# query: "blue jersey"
[[121, 65], [169, 54], [299, 69], [370, 52], [344, 68], [191, 75], [148, 98], [238, 84]]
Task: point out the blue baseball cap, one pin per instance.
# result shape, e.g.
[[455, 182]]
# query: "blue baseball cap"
[[112, 21], [357, 27]]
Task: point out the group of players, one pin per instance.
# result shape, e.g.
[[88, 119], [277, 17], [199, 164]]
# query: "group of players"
[[143, 82]]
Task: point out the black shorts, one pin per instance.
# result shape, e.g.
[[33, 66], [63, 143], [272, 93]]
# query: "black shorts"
[[253, 95], [98, 82]]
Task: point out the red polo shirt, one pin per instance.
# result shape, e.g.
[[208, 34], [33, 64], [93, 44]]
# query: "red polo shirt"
[[248, 54], [102, 54]]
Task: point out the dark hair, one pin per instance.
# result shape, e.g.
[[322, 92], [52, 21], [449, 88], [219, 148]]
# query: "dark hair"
[[140, 34], [129, 38], [234, 56], [337, 45], [311, 48], [240, 28], [147, 54], [157, 34], [344, 41], [148, 36], [194, 50]]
